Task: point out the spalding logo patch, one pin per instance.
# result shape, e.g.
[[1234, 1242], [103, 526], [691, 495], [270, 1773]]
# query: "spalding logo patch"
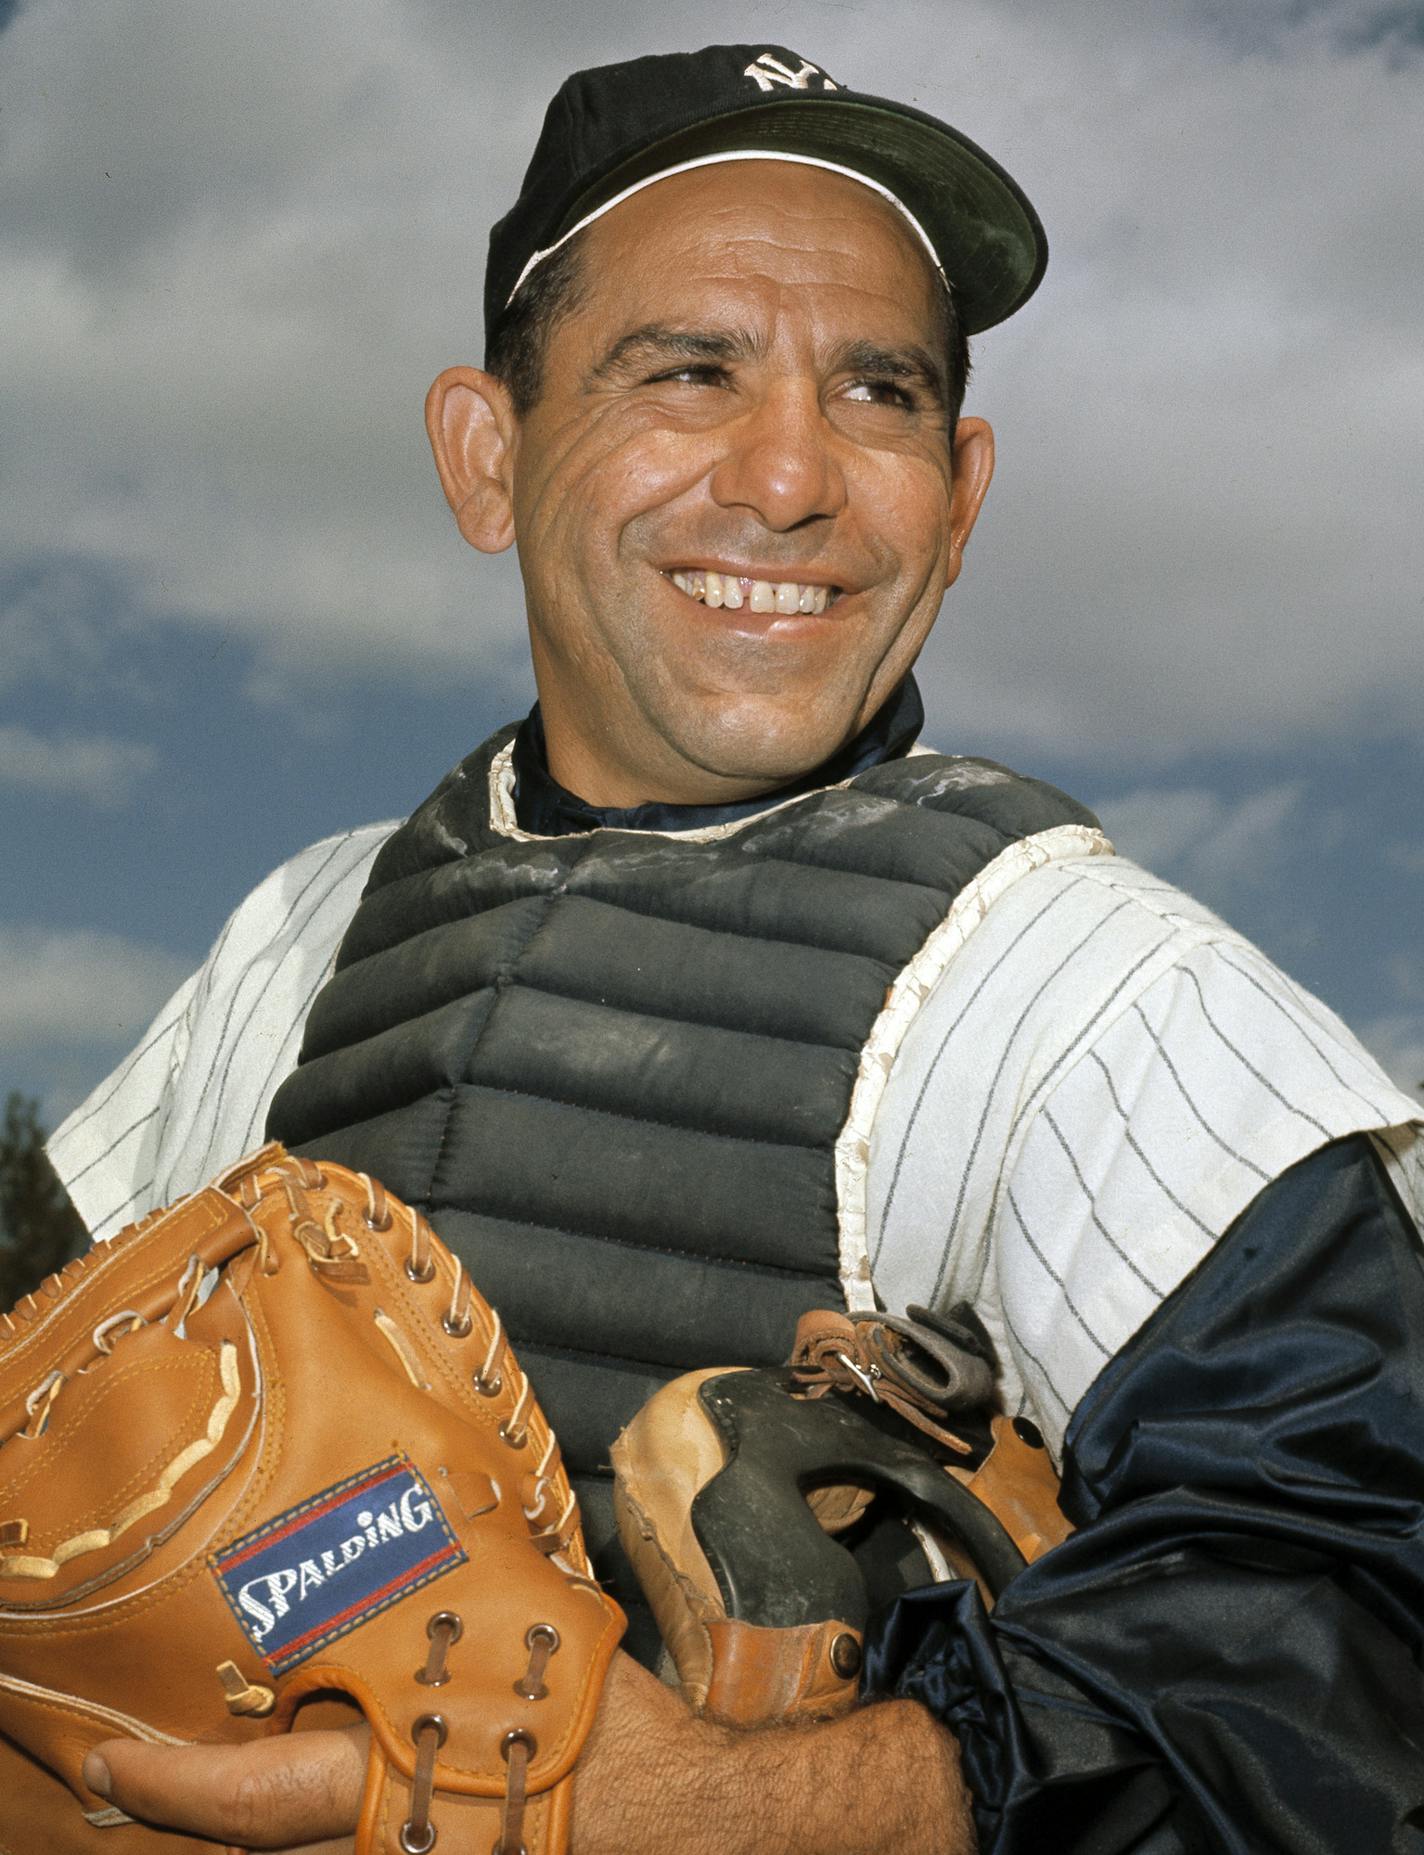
[[298, 1582]]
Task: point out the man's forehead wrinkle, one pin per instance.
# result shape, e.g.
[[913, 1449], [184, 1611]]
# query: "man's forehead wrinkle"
[[804, 248], [790, 207]]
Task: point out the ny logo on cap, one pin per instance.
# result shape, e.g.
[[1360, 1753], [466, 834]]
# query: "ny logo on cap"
[[769, 72]]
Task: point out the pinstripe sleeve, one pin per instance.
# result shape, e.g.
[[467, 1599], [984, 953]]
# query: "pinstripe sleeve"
[[193, 1095], [105, 1151], [1136, 1078]]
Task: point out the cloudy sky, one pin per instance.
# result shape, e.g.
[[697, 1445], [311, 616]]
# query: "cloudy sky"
[[237, 242]]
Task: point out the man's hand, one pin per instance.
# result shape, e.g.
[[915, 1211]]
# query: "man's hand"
[[652, 1778], [884, 1780], [300, 1790]]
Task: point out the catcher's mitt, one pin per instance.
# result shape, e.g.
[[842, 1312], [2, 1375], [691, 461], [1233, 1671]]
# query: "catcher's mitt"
[[765, 1511], [271, 1444]]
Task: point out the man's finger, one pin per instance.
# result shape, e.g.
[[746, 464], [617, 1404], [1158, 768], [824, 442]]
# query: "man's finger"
[[266, 1795]]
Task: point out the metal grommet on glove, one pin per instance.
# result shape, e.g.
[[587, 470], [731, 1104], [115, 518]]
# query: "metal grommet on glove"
[[516, 1749], [418, 1833], [542, 1641], [444, 1630]]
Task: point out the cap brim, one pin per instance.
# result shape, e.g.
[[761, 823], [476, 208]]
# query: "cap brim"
[[991, 245]]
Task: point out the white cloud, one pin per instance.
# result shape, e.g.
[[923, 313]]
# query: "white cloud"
[[94, 767], [1396, 1040], [66, 987], [1212, 846], [240, 242], [1406, 975], [1155, 826]]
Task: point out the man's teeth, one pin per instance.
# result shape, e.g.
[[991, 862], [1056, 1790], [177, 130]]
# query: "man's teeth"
[[727, 589]]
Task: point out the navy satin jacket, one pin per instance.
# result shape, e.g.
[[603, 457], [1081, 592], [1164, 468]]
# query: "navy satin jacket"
[[1226, 1657]]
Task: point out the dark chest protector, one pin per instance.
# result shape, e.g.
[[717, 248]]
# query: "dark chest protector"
[[613, 1068]]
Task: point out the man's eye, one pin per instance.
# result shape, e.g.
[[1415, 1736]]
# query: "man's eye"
[[881, 393], [695, 373]]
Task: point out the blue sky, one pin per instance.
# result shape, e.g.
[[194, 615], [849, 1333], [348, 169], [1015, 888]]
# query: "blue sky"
[[237, 243]]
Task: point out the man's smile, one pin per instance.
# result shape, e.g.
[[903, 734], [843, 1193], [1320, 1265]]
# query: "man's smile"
[[735, 590]]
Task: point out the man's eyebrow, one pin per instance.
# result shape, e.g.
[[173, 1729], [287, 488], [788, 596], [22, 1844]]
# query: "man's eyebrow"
[[656, 342], [911, 363]]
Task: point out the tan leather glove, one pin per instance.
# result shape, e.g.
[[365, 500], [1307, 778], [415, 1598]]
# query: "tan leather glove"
[[271, 1445]]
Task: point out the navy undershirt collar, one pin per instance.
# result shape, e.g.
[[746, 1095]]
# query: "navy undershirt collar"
[[545, 809]]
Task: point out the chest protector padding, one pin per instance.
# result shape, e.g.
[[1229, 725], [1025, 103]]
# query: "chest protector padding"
[[611, 1068]]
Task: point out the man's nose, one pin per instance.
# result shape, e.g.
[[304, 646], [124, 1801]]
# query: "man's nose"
[[781, 461]]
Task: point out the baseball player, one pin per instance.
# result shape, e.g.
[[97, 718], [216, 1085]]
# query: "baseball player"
[[704, 996]]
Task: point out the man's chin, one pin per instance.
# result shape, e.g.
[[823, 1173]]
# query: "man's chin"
[[759, 750]]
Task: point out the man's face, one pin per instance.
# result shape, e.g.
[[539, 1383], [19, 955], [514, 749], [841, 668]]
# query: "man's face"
[[750, 391]]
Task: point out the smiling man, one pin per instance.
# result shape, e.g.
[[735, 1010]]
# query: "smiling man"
[[702, 997], [739, 495]]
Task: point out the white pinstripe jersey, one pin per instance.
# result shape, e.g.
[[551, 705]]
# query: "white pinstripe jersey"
[[1099, 1081]]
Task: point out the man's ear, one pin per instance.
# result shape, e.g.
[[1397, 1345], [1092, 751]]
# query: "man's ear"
[[973, 468], [470, 422]]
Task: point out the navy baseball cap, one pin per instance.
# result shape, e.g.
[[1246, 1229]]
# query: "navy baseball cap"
[[617, 128]]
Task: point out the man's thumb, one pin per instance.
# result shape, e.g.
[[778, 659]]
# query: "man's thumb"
[[270, 1793]]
